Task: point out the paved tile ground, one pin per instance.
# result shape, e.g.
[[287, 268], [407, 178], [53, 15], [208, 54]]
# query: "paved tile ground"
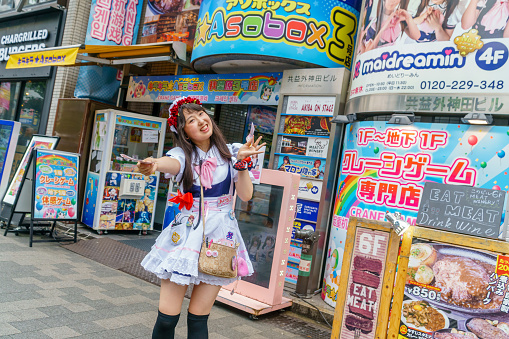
[[49, 292]]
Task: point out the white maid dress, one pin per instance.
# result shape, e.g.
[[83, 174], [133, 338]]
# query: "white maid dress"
[[174, 255]]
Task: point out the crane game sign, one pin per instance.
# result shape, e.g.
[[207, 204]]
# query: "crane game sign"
[[322, 31], [385, 168]]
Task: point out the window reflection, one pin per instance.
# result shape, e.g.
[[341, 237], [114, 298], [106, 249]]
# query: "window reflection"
[[9, 94], [31, 110]]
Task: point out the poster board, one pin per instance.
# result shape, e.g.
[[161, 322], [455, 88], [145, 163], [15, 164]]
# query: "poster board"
[[462, 209], [11, 196], [55, 185], [9, 133], [367, 277], [487, 301]]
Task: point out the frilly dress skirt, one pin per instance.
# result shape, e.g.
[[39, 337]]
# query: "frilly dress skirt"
[[175, 254]]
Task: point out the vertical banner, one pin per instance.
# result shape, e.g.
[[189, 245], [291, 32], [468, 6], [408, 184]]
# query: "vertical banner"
[[385, 167], [55, 185], [113, 22]]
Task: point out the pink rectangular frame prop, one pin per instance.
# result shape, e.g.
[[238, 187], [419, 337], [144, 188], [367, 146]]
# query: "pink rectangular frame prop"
[[256, 299]]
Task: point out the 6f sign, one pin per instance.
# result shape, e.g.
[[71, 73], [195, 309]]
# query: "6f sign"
[[369, 244]]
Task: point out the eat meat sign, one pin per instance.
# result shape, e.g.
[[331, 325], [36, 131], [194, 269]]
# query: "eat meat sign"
[[364, 271]]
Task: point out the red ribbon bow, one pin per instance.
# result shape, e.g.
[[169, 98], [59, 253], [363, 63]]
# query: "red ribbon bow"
[[184, 200]]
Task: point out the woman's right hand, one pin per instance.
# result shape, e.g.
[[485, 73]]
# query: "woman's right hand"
[[147, 166]]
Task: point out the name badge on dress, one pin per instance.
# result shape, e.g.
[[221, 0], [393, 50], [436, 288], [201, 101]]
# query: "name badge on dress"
[[225, 200]]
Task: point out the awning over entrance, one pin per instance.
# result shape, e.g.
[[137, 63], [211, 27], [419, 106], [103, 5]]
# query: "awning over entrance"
[[85, 55]]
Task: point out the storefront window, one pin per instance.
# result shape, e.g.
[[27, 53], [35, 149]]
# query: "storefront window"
[[31, 110], [9, 94]]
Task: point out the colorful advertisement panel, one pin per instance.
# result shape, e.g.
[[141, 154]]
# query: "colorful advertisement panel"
[[322, 33], [173, 20], [306, 167], [408, 47], [38, 141], [385, 168], [306, 125], [454, 290], [55, 185], [246, 89], [263, 118], [113, 22]]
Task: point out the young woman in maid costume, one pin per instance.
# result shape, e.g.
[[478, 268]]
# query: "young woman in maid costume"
[[202, 154]]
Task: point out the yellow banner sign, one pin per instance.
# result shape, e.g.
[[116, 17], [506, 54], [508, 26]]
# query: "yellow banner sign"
[[59, 57]]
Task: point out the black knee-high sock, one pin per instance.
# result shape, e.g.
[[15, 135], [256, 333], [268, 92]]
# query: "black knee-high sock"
[[197, 326], [165, 326]]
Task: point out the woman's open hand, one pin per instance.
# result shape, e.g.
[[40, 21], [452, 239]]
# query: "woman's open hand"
[[250, 148], [147, 166]]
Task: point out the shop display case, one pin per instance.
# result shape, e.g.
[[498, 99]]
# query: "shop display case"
[[117, 197]]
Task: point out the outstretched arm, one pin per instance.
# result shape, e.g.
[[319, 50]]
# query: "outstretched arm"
[[411, 30], [163, 164]]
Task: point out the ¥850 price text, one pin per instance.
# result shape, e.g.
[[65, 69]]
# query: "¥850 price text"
[[423, 293], [494, 84]]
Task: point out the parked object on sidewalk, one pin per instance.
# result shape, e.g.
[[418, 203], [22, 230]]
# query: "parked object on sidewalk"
[[116, 196]]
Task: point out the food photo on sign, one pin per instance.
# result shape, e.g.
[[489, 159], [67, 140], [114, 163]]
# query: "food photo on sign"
[[455, 292]]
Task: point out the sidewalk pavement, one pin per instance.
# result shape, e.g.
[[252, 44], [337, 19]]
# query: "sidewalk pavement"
[[49, 292]]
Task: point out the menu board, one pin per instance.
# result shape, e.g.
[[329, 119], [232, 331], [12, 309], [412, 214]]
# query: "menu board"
[[364, 284], [38, 141], [469, 210], [55, 185], [455, 292]]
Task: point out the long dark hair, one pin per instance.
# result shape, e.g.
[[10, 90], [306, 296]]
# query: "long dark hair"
[[451, 5], [182, 140]]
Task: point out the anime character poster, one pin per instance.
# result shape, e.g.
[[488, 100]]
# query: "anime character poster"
[[384, 168]]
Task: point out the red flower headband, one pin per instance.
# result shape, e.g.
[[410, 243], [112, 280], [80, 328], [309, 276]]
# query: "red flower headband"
[[174, 110]]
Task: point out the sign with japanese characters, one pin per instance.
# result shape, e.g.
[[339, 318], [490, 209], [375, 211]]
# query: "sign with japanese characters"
[[419, 48], [385, 167], [55, 185], [453, 289], [114, 22], [304, 166], [310, 189], [462, 209], [322, 33], [58, 57], [364, 284], [246, 89]]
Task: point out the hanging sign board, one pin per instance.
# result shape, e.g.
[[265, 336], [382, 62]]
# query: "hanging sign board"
[[450, 284], [367, 276], [462, 209], [55, 185], [310, 105], [38, 141]]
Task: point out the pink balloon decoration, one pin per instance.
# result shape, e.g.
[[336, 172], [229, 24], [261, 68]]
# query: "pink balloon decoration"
[[496, 187], [71, 212], [472, 140]]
